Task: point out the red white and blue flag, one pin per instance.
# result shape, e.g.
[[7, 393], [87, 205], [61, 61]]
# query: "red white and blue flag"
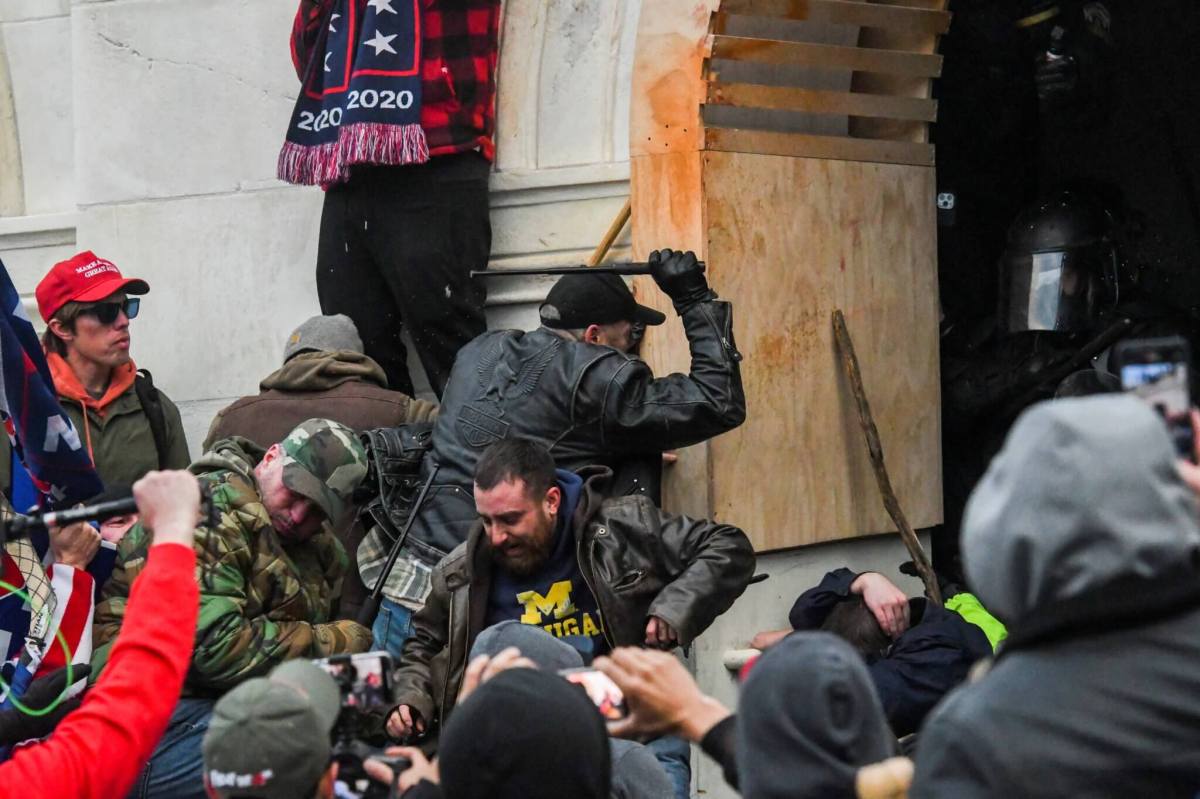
[[42, 435]]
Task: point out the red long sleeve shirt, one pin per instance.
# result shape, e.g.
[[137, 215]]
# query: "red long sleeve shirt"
[[97, 751]]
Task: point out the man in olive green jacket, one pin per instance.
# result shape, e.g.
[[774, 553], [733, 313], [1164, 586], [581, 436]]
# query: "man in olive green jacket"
[[127, 426], [270, 572]]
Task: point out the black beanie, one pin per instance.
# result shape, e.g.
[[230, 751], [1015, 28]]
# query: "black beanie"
[[525, 734]]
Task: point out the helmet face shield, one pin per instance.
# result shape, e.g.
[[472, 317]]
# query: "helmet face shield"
[[1051, 290]]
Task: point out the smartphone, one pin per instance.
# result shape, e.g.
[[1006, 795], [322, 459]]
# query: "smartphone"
[[1158, 370], [363, 679], [604, 693]]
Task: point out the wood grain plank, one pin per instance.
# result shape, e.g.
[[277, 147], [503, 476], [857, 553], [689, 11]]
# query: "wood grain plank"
[[770, 51], [894, 85], [749, 95], [802, 145], [867, 15]]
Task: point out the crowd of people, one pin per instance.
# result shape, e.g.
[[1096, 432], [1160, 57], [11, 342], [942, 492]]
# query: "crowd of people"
[[195, 638], [503, 554]]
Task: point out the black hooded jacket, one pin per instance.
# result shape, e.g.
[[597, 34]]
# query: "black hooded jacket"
[[525, 734], [922, 665]]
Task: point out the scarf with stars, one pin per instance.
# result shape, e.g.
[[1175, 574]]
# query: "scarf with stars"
[[361, 96]]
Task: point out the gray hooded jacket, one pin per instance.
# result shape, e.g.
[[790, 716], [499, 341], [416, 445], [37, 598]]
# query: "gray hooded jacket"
[[808, 719], [1083, 538]]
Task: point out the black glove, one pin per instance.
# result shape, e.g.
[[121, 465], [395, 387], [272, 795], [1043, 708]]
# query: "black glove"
[[17, 726], [681, 277]]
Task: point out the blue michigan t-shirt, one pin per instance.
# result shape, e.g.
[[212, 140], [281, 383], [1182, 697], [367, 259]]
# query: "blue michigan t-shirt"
[[557, 598]]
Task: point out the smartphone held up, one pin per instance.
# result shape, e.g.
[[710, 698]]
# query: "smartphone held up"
[[1158, 371], [604, 693]]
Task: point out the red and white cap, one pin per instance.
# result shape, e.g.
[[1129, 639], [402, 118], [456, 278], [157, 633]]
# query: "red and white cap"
[[84, 277]]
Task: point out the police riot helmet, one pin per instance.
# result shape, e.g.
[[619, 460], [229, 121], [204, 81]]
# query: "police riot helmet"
[[1059, 268]]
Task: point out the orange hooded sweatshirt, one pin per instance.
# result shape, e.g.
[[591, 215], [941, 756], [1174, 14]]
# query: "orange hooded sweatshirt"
[[68, 385]]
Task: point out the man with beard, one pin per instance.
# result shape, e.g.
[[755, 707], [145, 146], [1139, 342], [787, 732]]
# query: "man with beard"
[[550, 551]]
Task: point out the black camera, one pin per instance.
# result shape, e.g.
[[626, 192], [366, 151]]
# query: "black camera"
[[364, 682]]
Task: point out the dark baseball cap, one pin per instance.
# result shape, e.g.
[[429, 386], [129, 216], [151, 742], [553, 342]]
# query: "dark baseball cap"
[[580, 300], [270, 737]]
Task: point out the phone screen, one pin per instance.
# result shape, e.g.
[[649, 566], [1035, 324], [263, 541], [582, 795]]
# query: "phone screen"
[[604, 693], [364, 679], [1157, 370], [1163, 384]]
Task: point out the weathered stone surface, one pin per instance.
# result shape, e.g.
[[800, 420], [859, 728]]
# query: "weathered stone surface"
[[230, 276], [39, 59], [22, 10], [179, 98]]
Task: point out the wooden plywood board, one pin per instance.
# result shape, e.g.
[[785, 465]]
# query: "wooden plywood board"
[[770, 51], [789, 240], [668, 82], [800, 144], [844, 12], [667, 211], [895, 85], [749, 95]]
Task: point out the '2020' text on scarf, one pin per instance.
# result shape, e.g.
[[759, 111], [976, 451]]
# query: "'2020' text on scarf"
[[361, 98]]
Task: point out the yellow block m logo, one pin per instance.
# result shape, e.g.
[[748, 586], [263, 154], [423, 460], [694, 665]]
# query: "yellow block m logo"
[[557, 601]]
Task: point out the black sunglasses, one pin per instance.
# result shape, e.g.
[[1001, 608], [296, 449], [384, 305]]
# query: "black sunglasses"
[[107, 312]]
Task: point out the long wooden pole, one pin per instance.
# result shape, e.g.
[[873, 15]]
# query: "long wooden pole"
[[875, 449], [614, 230]]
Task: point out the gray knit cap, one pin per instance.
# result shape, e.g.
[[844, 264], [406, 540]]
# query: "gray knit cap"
[[323, 333]]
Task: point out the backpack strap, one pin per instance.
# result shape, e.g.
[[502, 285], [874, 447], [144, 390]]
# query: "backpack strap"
[[147, 394]]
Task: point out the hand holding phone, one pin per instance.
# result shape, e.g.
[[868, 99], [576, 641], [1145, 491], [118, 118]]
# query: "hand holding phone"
[[604, 693], [1158, 371]]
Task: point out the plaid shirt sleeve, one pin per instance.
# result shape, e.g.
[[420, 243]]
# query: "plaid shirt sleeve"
[[306, 30], [461, 48], [408, 582]]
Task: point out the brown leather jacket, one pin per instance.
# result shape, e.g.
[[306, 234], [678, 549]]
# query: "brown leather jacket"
[[638, 561]]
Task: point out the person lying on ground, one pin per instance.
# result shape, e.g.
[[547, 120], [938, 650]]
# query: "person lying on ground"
[[915, 650]]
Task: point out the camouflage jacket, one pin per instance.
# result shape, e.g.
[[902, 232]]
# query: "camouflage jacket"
[[261, 603]]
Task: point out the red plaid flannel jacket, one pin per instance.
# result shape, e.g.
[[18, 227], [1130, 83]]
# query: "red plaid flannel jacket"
[[459, 46]]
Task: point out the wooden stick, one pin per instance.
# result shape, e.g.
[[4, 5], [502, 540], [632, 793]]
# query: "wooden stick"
[[875, 449], [614, 230]]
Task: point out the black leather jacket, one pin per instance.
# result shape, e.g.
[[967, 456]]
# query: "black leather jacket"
[[638, 561], [586, 403]]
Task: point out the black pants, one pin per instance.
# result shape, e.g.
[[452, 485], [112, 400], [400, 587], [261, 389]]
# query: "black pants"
[[397, 246]]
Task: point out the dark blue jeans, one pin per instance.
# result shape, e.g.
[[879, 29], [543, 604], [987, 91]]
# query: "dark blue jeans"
[[392, 628], [675, 756], [176, 769]]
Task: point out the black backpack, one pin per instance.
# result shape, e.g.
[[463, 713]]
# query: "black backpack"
[[151, 400]]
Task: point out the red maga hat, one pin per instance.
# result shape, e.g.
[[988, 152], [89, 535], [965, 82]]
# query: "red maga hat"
[[84, 277]]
